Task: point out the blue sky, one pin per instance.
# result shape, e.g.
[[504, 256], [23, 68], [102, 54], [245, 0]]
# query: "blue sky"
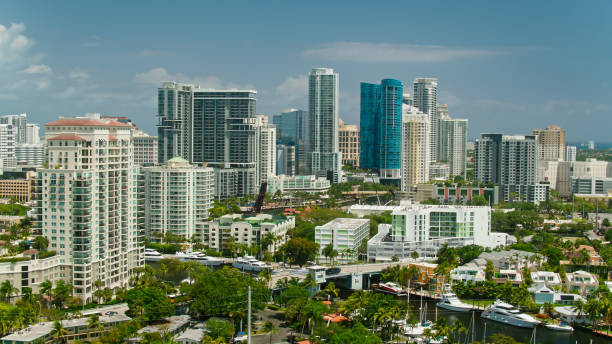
[[507, 66]]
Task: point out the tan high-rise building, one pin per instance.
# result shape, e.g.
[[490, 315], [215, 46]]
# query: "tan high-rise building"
[[551, 143], [415, 147], [348, 141]]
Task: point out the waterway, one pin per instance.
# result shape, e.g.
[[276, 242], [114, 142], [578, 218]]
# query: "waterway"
[[543, 335]]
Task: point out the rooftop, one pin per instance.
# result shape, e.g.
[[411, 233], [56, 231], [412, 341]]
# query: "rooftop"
[[67, 137], [85, 122], [344, 223], [191, 333]]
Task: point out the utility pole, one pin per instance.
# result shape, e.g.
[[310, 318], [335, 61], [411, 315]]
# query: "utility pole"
[[249, 318]]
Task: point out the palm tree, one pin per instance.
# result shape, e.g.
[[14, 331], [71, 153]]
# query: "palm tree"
[[7, 290], [593, 309], [331, 290], [98, 284], [59, 332], [269, 327], [580, 307], [266, 275], [94, 323], [163, 270], [45, 288]]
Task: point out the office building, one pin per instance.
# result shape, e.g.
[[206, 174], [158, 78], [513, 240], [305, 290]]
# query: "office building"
[[591, 169], [86, 201], [570, 153], [7, 146], [285, 160], [292, 130], [310, 184], [425, 228], [348, 142], [591, 186], [415, 147], [381, 129], [32, 133], [245, 230], [266, 146], [452, 143], [345, 235], [510, 162], [145, 148], [30, 154], [213, 126], [439, 171], [551, 143], [324, 158], [19, 189], [19, 123], [425, 99], [178, 197], [454, 194]]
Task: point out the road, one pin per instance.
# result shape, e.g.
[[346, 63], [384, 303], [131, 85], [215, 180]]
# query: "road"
[[276, 317]]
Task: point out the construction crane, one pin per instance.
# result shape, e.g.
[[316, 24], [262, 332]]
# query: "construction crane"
[[260, 197]]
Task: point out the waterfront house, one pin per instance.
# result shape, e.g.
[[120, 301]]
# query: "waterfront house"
[[581, 282]]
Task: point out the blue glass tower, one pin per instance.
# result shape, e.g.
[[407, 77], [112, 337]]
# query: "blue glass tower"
[[381, 128]]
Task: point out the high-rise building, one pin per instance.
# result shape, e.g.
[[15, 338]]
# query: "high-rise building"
[[324, 157], [551, 143], [570, 153], [30, 154], [381, 129], [19, 123], [86, 202], [415, 147], [509, 161], [452, 142], [7, 146], [425, 99], [266, 144], [591, 145], [589, 169], [32, 133], [285, 160], [178, 197], [348, 143], [292, 130], [145, 148], [213, 126]]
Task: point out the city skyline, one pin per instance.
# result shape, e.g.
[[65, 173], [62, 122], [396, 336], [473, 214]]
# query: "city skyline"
[[529, 79]]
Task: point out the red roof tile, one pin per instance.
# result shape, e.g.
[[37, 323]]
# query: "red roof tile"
[[68, 137], [85, 122]]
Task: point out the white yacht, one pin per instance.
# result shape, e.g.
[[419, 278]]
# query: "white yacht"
[[508, 314], [391, 288], [199, 257], [150, 255], [451, 302], [248, 263], [562, 326]]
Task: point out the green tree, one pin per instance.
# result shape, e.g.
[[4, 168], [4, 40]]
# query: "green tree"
[[94, 323], [59, 332], [219, 328], [269, 328], [41, 243], [489, 270], [479, 201], [148, 303], [331, 290], [7, 290], [327, 250], [299, 251]]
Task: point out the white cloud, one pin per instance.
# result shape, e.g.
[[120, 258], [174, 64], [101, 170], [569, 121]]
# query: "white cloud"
[[42, 84], [293, 88], [388, 52], [78, 75], [158, 75], [37, 69], [13, 44]]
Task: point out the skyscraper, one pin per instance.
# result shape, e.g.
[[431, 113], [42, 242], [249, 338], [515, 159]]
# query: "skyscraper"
[[551, 143], [415, 147], [348, 144], [213, 126], [510, 162], [570, 153], [19, 123], [87, 202], [292, 130], [7, 146], [452, 142], [425, 99], [266, 144], [32, 133], [324, 157], [381, 128]]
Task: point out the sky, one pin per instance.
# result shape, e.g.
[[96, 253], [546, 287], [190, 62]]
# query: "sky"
[[508, 67]]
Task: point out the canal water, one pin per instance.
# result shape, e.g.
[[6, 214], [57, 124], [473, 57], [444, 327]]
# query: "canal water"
[[543, 335]]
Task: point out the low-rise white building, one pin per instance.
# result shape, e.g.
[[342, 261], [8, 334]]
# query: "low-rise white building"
[[581, 282], [549, 278], [310, 184], [467, 274], [27, 270], [245, 229], [344, 234]]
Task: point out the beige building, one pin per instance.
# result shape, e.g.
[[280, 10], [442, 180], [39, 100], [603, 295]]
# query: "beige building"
[[581, 282], [20, 189], [566, 171], [31, 271], [415, 147], [551, 143], [348, 141]]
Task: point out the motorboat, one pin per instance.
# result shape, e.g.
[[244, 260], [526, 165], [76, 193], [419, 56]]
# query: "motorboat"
[[199, 257], [418, 329], [391, 288], [248, 263], [451, 302], [562, 327], [508, 314], [151, 255]]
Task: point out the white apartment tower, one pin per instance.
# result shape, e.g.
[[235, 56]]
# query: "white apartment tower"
[[32, 133], [415, 147], [87, 201], [266, 144], [452, 142], [19, 123], [145, 148], [7, 146], [425, 99], [324, 156], [178, 197]]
